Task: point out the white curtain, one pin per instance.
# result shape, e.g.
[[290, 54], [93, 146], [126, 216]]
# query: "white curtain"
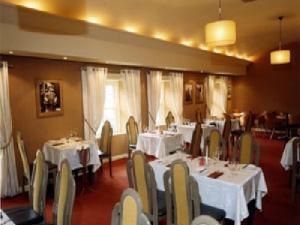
[[8, 174], [176, 86], [154, 82], [93, 93], [216, 95], [132, 83]]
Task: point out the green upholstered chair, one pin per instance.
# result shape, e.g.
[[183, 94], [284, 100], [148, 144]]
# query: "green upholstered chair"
[[129, 211], [141, 178]]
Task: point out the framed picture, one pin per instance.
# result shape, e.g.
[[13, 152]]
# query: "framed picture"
[[188, 93], [49, 100], [199, 93], [229, 89]]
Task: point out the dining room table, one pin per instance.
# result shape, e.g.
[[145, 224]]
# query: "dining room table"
[[231, 190], [287, 155], [67, 148], [159, 144], [188, 129]]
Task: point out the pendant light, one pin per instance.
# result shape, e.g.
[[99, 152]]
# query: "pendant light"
[[221, 32], [280, 56]]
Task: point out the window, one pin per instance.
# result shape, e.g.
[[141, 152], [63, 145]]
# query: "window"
[[164, 103], [111, 104]]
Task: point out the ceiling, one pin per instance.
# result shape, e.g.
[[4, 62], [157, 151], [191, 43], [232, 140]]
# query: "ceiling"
[[183, 21]]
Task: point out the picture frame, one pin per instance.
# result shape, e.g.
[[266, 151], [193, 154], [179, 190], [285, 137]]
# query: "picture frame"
[[199, 93], [49, 100], [188, 93], [229, 89]]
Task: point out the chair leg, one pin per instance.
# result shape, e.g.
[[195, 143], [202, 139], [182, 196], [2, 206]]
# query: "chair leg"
[[110, 167], [129, 153], [101, 161], [294, 188]]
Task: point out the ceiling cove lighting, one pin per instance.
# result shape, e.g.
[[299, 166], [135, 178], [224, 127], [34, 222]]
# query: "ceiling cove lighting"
[[221, 32], [280, 56]]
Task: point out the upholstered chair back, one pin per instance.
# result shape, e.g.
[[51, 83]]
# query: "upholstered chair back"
[[205, 220], [23, 154], [140, 179], [246, 150], [198, 116], [132, 130], [226, 130], [169, 119], [215, 145], [196, 140], [106, 136], [64, 195], [182, 194], [38, 184], [295, 167], [129, 211]]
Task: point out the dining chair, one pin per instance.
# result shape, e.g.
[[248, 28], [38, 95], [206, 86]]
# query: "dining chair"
[[141, 178], [226, 136], [24, 158], [35, 213], [194, 148], [246, 150], [170, 119], [132, 134], [183, 200], [205, 220], [84, 159], [105, 144], [198, 116], [249, 120], [64, 196], [215, 145], [129, 211], [295, 167]]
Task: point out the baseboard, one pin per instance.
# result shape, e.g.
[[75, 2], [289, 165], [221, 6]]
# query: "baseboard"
[[117, 157]]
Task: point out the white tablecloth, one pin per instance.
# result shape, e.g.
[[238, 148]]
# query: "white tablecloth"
[[187, 132], [231, 192], [69, 150], [5, 220], [159, 145], [287, 155], [235, 124]]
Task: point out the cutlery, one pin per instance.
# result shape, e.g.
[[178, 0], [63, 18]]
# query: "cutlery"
[[245, 166]]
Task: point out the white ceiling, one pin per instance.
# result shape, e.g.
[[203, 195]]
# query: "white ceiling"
[[184, 20]]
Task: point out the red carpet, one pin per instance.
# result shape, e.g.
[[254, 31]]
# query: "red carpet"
[[94, 207]]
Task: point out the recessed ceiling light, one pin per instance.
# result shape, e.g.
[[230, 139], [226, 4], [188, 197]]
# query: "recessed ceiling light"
[[160, 35], [11, 52], [93, 19], [65, 58], [32, 5], [131, 29], [187, 42]]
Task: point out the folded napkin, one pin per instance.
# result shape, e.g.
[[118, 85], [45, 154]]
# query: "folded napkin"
[[215, 174], [58, 144]]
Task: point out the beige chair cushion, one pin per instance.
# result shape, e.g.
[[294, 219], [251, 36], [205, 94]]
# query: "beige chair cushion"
[[130, 211]]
